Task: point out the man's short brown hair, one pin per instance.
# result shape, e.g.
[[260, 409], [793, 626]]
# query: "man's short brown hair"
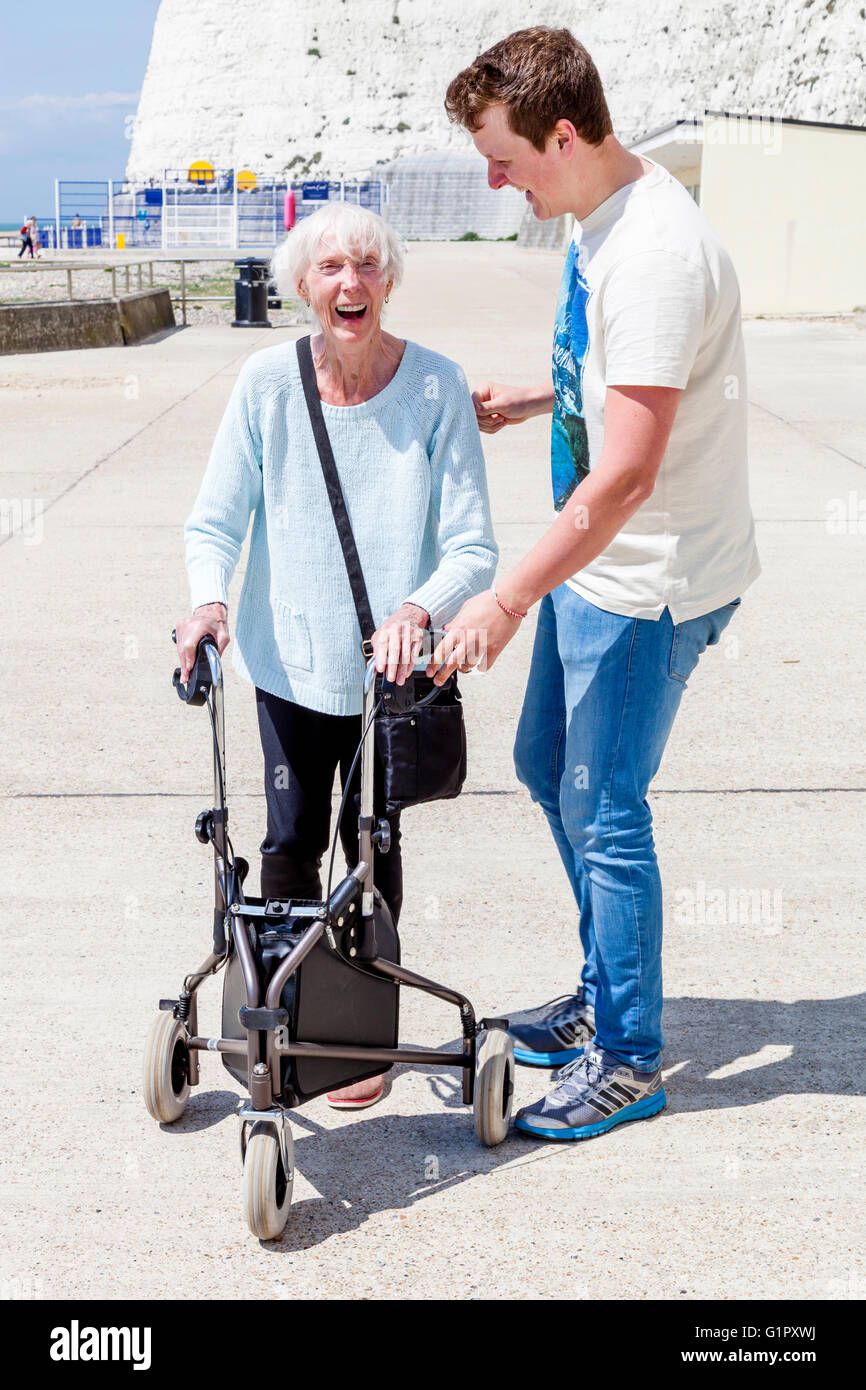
[[540, 76]]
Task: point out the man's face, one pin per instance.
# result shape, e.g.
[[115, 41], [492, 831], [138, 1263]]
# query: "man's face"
[[513, 160]]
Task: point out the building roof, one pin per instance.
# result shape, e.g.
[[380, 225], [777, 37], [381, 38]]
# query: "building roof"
[[689, 127]]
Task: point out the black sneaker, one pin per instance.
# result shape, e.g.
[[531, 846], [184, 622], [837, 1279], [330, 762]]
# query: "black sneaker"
[[554, 1033]]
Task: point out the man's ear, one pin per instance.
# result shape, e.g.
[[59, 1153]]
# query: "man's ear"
[[566, 136]]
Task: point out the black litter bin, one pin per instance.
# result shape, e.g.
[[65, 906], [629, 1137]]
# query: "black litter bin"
[[251, 293]]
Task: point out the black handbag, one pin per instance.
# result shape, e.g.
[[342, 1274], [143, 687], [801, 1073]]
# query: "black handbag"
[[327, 999], [420, 733]]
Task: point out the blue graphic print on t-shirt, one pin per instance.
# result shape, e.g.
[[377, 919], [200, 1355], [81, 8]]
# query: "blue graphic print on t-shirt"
[[569, 449]]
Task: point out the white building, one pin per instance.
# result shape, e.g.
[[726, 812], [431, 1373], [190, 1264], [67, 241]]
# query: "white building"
[[788, 199]]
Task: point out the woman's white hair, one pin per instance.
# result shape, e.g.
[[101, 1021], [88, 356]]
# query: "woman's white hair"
[[357, 231]]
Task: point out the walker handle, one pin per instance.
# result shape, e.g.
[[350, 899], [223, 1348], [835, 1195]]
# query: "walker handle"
[[347, 891], [198, 686], [400, 699]]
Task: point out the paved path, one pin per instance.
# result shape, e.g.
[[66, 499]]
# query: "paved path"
[[749, 1183]]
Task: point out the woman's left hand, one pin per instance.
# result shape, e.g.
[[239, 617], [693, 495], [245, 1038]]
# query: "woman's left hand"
[[397, 642], [474, 638]]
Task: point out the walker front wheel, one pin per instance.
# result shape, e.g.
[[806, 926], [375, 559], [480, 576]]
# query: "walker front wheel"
[[494, 1086], [267, 1185], [166, 1069]]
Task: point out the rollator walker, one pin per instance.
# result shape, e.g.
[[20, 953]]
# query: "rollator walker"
[[311, 989]]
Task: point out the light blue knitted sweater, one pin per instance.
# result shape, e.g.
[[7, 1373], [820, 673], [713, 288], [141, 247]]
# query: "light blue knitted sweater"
[[412, 473]]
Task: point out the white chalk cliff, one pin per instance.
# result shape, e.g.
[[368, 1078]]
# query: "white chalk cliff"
[[335, 86]]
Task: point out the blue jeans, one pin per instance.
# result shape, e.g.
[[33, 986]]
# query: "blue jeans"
[[600, 703]]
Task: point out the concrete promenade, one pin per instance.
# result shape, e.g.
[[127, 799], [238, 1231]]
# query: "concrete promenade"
[[749, 1184]]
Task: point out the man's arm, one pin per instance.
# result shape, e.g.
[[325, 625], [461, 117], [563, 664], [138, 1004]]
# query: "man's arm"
[[496, 405], [637, 424]]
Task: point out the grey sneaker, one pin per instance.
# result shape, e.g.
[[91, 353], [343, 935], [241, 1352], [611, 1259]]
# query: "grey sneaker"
[[591, 1096], [554, 1033]]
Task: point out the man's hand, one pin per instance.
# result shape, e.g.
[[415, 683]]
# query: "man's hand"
[[475, 637], [397, 642], [210, 618], [496, 406]]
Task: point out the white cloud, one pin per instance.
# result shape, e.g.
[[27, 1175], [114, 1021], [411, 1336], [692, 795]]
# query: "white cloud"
[[92, 101], [43, 108]]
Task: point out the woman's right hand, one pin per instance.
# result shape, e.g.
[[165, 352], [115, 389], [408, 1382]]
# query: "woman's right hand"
[[210, 618]]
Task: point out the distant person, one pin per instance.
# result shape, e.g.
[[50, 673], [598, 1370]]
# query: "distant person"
[[34, 236], [408, 453], [645, 564], [76, 222], [26, 239]]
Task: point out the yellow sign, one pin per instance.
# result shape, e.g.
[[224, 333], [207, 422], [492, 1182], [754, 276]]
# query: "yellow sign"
[[200, 172], [246, 180], [121, 241]]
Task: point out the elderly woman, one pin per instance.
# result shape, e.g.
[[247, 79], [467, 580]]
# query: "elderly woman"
[[405, 440]]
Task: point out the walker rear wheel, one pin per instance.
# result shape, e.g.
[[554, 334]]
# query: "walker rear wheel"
[[494, 1086], [166, 1069], [267, 1185]]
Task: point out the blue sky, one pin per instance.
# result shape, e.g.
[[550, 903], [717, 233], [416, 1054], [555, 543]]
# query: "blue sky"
[[71, 74]]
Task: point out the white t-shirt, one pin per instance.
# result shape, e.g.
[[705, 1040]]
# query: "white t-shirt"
[[649, 297]]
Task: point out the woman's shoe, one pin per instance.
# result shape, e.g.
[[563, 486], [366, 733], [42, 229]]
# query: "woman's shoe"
[[357, 1097]]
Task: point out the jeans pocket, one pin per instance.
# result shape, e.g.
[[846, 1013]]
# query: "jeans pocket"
[[684, 656], [691, 639], [293, 637]]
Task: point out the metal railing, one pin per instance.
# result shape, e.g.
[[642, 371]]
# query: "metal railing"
[[176, 211], [182, 297]]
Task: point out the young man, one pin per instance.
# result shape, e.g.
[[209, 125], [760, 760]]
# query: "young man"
[[646, 561]]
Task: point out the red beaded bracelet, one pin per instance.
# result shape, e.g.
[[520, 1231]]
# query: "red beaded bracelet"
[[510, 611]]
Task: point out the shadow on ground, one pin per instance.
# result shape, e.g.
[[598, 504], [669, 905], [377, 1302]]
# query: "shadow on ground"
[[387, 1162], [826, 1039]]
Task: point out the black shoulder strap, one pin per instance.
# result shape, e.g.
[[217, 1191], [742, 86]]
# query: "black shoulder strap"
[[335, 492]]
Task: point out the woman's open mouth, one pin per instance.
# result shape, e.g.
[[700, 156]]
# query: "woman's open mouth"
[[351, 311]]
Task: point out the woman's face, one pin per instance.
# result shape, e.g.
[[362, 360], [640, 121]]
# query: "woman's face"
[[346, 292]]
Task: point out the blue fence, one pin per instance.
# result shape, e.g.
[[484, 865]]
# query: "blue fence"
[[72, 238], [180, 212], [82, 217]]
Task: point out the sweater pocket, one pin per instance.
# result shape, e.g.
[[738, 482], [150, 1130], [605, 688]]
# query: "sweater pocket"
[[293, 636]]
